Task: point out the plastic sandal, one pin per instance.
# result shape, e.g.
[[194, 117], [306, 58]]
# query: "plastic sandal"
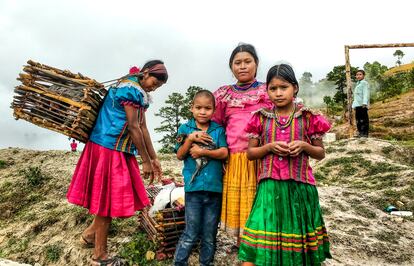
[[114, 261], [86, 243]]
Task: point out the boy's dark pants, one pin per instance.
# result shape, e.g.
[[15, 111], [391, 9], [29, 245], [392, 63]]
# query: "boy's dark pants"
[[202, 215], [362, 120]]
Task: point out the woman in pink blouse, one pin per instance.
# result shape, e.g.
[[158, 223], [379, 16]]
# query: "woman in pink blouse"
[[234, 106], [285, 226]]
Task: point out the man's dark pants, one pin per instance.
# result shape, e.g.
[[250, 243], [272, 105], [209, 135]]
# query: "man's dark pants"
[[362, 120]]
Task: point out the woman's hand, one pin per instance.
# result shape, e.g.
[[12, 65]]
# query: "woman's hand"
[[147, 171], [280, 148], [156, 165], [196, 151], [296, 147], [201, 137]]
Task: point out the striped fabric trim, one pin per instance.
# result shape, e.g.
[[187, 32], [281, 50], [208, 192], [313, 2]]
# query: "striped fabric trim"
[[278, 240], [272, 156], [292, 138], [124, 140]]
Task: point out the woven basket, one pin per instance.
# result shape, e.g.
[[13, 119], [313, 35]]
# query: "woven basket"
[[165, 228]]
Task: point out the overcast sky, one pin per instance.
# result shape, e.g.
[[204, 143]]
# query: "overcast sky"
[[101, 39]]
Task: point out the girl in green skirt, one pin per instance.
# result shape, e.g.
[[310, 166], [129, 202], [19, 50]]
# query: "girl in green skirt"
[[285, 226]]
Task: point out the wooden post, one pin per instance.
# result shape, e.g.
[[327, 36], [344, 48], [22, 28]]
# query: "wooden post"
[[348, 73], [348, 91]]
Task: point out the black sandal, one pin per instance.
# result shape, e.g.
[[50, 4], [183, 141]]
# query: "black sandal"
[[114, 261], [86, 243]]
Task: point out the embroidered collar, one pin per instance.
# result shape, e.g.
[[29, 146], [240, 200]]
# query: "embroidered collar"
[[244, 87], [133, 82], [213, 125], [270, 113]]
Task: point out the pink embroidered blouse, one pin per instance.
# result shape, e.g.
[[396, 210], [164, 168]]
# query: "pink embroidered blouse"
[[306, 125], [234, 109]]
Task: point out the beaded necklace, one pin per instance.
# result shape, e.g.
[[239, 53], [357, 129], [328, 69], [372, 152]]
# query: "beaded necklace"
[[245, 86], [288, 122]]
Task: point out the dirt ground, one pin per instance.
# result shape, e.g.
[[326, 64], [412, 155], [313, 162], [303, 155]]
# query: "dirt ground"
[[357, 180]]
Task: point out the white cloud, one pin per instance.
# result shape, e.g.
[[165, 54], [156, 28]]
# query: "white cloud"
[[102, 40]]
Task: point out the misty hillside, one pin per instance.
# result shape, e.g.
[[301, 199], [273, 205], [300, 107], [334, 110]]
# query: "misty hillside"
[[357, 179], [391, 119]]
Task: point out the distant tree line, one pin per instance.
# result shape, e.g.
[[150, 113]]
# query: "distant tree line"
[[329, 92]]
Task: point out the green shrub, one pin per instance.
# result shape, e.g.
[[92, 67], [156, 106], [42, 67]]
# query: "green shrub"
[[134, 251], [53, 253], [3, 164], [34, 176]]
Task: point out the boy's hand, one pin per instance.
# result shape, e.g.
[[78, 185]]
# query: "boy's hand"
[[200, 136], [196, 151], [296, 147], [280, 148]]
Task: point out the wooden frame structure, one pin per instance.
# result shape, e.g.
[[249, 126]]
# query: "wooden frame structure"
[[348, 72]]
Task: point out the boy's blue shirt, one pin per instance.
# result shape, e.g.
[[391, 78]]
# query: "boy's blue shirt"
[[210, 177]]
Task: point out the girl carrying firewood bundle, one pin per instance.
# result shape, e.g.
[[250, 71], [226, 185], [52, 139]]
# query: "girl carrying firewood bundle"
[[107, 179]]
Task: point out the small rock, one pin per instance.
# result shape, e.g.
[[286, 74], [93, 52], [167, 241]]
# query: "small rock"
[[399, 204], [398, 219]]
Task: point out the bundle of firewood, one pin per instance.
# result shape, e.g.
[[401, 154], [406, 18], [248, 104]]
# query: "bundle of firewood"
[[165, 228], [58, 100]]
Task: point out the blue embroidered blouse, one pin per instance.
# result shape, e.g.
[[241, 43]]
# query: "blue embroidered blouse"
[[111, 127]]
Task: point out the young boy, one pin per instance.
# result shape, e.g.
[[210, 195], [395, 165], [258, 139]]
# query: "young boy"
[[202, 177]]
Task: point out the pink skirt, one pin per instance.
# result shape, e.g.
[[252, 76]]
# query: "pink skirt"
[[107, 183]]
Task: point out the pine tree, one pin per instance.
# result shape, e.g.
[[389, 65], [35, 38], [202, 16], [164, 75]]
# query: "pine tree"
[[176, 110], [172, 113]]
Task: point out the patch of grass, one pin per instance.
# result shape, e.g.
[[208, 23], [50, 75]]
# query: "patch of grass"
[[3, 254], [398, 123], [34, 176], [53, 252], [168, 172], [332, 150], [29, 216], [6, 186], [354, 231], [338, 205], [390, 197], [365, 212], [382, 167], [388, 149], [17, 197], [134, 251], [81, 215], [22, 245], [347, 170], [344, 160], [320, 177], [354, 202], [45, 223], [3, 164], [347, 193], [115, 227], [388, 236], [357, 222], [368, 151], [326, 210], [380, 182]]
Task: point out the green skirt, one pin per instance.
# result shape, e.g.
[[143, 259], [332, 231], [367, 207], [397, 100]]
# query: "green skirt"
[[285, 226]]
